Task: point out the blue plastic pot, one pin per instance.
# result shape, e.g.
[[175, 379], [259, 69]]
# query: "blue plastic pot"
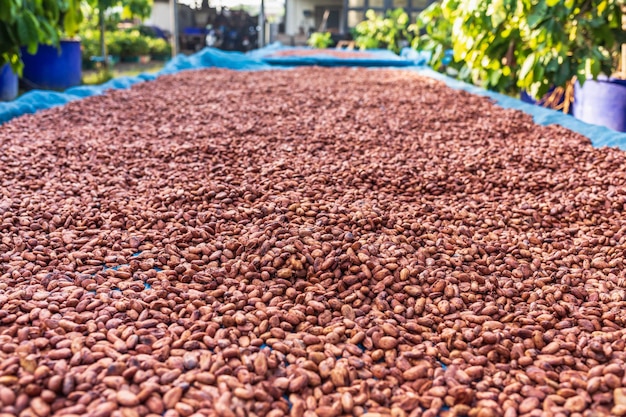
[[51, 70], [601, 102], [8, 83]]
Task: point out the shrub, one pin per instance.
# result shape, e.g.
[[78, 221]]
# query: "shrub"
[[320, 40], [391, 31], [535, 45], [159, 47], [127, 43]]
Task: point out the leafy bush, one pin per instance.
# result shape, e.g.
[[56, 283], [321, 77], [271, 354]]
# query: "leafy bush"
[[90, 45], [159, 47], [320, 40], [127, 43], [114, 47], [435, 27], [391, 32], [535, 45]]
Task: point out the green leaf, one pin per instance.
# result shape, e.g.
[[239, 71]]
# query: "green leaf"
[[538, 72], [51, 35], [32, 48], [7, 11], [494, 77], [543, 89], [527, 67], [27, 29], [72, 18], [64, 5], [52, 8], [537, 14], [563, 75], [592, 68], [5, 40]]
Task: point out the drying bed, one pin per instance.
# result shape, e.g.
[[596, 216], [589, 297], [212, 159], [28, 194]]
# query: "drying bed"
[[311, 242], [298, 56]]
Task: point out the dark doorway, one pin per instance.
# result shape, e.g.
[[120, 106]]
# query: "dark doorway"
[[334, 18]]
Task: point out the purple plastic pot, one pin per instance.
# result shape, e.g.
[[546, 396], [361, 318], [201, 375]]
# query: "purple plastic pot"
[[601, 102]]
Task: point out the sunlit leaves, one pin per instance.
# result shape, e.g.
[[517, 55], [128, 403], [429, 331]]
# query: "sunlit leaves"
[[31, 23], [527, 44]]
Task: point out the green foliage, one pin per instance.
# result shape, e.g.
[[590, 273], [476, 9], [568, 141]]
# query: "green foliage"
[[159, 47], [132, 8], [127, 43], [30, 23], [388, 32], [90, 44], [435, 25], [507, 45], [102, 8], [137, 8], [320, 40]]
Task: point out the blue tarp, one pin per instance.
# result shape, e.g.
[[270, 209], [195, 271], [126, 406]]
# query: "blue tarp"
[[261, 60]]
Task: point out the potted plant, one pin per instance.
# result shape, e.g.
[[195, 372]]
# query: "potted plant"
[[55, 62], [90, 48], [114, 51], [536, 46], [320, 40], [603, 101], [137, 8], [24, 26], [141, 47], [160, 49], [132, 46]]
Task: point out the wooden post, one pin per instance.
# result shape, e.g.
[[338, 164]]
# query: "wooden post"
[[261, 35], [174, 23]]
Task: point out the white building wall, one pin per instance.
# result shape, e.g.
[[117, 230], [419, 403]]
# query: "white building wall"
[[161, 16], [294, 20]]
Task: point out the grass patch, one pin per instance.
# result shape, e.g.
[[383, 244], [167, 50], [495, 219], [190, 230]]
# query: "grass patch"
[[96, 77]]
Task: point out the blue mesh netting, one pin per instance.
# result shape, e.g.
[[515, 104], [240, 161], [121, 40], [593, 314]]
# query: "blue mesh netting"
[[267, 58]]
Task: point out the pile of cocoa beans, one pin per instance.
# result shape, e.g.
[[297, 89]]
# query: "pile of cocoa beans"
[[308, 243]]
